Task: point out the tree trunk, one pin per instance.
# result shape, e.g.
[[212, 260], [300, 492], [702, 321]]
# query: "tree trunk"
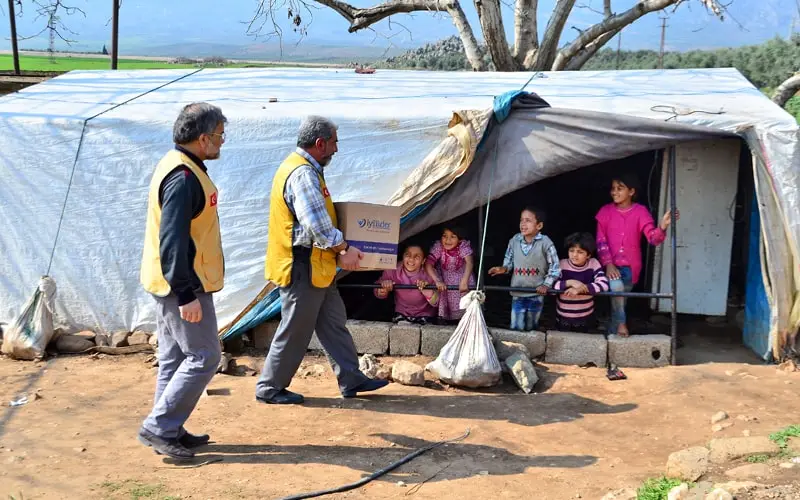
[[589, 51], [549, 47], [526, 32], [786, 90], [471, 49], [494, 34]]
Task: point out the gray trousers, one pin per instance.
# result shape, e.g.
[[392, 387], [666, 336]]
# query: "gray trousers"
[[305, 309], [188, 358]]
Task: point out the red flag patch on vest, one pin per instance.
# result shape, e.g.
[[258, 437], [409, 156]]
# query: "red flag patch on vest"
[[325, 192], [213, 200]]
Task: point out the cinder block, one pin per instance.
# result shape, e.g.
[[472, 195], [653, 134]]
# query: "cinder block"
[[263, 334], [370, 337], [567, 348], [434, 337], [535, 341], [640, 351], [404, 340]]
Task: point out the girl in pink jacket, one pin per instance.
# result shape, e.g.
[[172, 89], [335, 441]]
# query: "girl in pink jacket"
[[620, 226]]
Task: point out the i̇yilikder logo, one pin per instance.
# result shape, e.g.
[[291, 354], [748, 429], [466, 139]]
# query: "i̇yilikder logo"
[[376, 225]]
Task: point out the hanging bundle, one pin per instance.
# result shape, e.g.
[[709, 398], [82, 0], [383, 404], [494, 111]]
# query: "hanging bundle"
[[469, 359], [29, 334]]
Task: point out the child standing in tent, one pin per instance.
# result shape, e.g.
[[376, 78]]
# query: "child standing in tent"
[[417, 306], [450, 263], [582, 276], [620, 226], [532, 260]]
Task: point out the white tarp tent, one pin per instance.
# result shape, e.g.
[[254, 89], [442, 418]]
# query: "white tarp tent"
[[389, 123]]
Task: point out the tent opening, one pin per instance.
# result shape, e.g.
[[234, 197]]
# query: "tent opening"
[[572, 199]]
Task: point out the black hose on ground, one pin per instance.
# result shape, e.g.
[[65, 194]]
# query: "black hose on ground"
[[377, 474]]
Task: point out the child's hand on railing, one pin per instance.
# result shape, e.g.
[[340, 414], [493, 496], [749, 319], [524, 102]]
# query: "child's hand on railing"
[[497, 270], [386, 287]]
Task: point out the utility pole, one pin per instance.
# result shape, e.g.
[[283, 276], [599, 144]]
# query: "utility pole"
[[12, 16], [114, 34], [619, 47], [663, 35]]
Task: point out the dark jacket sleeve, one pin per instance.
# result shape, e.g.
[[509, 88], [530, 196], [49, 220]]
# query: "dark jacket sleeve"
[[180, 195]]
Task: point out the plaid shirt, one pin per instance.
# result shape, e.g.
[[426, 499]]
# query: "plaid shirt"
[[303, 195], [553, 265]]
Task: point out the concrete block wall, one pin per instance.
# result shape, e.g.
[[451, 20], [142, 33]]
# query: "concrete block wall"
[[566, 348]]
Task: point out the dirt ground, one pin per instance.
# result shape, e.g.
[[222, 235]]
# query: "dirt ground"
[[580, 436]]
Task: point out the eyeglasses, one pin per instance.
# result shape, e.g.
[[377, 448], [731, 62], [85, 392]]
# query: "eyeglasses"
[[221, 136]]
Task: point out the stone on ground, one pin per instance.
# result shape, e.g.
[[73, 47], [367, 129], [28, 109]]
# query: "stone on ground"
[[749, 471], [736, 487], [138, 338], [719, 494], [224, 362], [679, 492], [522, 371], [368, 365], [689, 464], [535, 341], [505, 349], [727, 449], [102, 340], [623, 494], [408, 373], [119, 339], [73, 344], [718, 417], [87, 334]]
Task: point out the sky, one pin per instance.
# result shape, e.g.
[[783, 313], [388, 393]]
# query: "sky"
[[150, 26]]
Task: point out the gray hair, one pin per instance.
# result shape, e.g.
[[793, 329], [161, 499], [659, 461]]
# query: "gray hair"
[[195, 120], [313, 128]]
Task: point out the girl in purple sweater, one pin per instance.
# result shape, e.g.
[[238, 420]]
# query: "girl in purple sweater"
[[415, 306], [620, 227], [582, 276]]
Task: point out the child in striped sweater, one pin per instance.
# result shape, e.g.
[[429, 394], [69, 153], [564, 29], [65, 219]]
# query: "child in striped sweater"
[[582, 276]]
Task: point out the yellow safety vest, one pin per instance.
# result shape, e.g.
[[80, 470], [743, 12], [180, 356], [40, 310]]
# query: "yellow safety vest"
[[209, 263], [278, 266]]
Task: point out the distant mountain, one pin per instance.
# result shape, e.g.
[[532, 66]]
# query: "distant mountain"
[[766, 64], [304, 52]]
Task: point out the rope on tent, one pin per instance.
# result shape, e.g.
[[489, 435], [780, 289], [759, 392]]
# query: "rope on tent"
[[78, 152]]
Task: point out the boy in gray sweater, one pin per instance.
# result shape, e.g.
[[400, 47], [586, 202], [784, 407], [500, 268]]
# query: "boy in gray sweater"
[[532, 260]]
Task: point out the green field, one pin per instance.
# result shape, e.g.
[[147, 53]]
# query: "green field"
[[66, 63]]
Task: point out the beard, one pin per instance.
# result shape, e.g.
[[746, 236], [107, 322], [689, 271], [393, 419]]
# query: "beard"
[[325, 161], [212, 155]]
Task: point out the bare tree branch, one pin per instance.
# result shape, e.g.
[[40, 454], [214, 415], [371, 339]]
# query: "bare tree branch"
[[471, 48], [607, 9], [589, 8], [55, 27], [786, 90], [361, 18], [549, 46], [526, 31], [590, 50], [615, 22]]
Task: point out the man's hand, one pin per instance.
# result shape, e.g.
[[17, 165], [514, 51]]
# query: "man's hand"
[[497, 270], [542, 289], [192, 312], [351, 260]]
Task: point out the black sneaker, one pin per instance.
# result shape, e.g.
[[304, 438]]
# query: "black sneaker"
[[189, 440], [165, 446], [366, 386], [283, 397]]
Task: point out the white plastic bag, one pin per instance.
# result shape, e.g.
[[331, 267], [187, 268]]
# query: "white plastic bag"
[[468, 359], [29, 334]]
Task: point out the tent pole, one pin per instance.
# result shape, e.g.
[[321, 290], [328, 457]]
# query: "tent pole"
[[114, 34], [674, 263], [12, 17]]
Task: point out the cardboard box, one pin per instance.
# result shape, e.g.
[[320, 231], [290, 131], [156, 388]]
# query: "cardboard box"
[[373, 229]]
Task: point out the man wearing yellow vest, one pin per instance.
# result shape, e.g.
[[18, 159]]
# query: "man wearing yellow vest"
[[182, 265], [302, 250]]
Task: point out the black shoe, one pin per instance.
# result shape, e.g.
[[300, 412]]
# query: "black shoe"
[[283, 397], [165, 446], [366, 386], [189, 440]]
